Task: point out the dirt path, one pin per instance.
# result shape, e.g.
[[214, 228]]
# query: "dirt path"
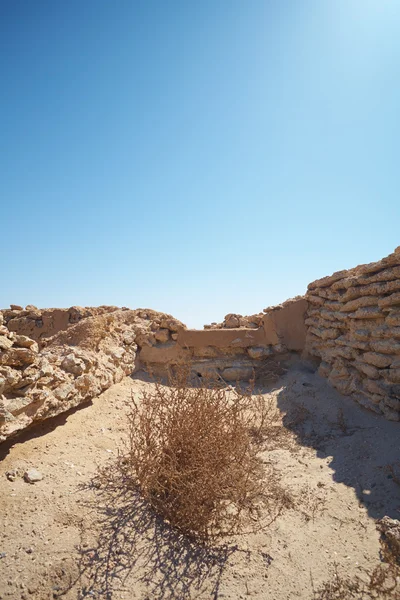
[[63, 537]]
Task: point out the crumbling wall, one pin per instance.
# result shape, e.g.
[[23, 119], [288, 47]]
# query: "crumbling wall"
[[42, 323], [353, 326], [74, 366], [234, 353], [54, 359]]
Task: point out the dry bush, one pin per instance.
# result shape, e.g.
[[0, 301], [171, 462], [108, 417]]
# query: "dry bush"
[[193, 454], [382, 584], [269, 371]]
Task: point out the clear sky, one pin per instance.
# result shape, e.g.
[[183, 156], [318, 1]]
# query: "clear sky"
[[196, 157]]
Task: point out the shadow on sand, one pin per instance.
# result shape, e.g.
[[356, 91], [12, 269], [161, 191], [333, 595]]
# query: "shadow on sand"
[[362, 448], [138, 554]]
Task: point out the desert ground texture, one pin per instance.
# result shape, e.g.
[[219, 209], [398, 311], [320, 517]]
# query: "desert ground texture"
[[74, 535]]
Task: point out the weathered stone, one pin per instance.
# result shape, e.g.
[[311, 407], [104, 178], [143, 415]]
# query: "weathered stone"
[[88, 386], [232, 321], [19, 405], [376, 359], [171, 324], [393, 318], [5, 343], [258, 352], [315, 300], [368, 370], [128, 337], [33, 476], [368, 403], [370, 312], [393, 403], [326, 281], [64, 391], [391, 375], [330, 334], [162, 335], [324, 369], [375, 387], [386, 347], [361, 302], [18, 357], [392, 300], [237, 373], [16, 307], [390, 529], [388, 412], [22, 341], [11, 377], [73, 365]]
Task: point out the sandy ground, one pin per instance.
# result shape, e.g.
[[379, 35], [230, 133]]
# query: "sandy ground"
[[65, 537]]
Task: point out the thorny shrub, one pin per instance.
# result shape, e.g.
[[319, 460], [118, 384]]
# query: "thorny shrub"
[[193, 455]]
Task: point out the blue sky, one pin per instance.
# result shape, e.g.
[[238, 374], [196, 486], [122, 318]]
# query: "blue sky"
[[195, 157]]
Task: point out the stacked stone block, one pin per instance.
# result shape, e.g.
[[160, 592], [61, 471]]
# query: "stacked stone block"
[[353, 326]]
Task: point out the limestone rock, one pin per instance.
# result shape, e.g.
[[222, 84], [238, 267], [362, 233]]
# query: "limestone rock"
[[392, 300], [5, 343], [390, 528], [389, 413], [393, 318], [237, 374], [361, 302], [73, 365], [18, 357], [391, 375], [162, 335], [376, 359], [33, 476], [258, 352], [369, 370], [23, 341], [386, 346], [232, 321], [369, 312]]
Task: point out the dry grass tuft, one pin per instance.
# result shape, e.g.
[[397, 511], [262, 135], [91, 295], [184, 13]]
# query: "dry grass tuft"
[[193, 455]]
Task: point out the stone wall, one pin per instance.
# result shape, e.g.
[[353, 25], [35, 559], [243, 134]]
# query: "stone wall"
[[234, 353], [353, 327], [74, 366], [42, 323], [54, 359]]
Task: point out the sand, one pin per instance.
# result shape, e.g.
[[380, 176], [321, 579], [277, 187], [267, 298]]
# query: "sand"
[[66, 537]]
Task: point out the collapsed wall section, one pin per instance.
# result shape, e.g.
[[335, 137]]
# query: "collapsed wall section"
[[76, 365], [234, 353], [42, 323], [353, 326]]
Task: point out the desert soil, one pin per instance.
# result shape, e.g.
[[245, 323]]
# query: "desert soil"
[[69, 536]]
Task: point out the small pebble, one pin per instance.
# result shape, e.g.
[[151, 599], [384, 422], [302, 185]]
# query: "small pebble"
[[32, 476]]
